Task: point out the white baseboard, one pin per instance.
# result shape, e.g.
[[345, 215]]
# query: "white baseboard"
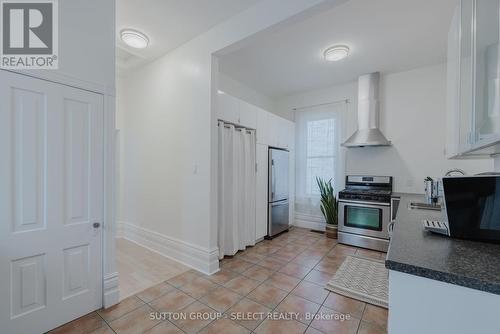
[[309, 222], [111, 290], [193, 256]]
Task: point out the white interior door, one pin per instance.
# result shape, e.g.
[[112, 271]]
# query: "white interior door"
[[51, 195]]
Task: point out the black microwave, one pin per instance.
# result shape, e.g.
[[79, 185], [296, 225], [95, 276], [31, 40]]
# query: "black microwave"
[[472, 207]]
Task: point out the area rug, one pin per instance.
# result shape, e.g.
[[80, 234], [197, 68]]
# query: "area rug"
[[363, 279]]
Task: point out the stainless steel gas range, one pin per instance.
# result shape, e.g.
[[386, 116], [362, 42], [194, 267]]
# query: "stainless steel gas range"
[[365, 212]]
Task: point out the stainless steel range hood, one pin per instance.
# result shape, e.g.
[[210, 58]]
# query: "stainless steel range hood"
[[368, 133]]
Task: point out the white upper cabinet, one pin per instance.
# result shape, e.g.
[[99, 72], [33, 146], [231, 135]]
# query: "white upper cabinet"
[[271, 129], [262, 125], [473, 116], [283, 133], [227, 108], [238, 112], [280, 132], [248, 115], [486, 120]]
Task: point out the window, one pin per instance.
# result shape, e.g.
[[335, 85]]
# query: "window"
[[320, 153], [318, 137]]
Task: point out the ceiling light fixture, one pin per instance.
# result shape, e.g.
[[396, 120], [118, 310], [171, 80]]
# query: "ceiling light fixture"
[[336, 53], [134, 38]]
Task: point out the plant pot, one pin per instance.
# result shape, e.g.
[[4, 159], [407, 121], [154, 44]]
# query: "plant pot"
[[331, 231]]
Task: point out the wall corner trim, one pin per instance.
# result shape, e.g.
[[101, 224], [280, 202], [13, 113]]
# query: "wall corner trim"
[[111, 290], [198, 258]]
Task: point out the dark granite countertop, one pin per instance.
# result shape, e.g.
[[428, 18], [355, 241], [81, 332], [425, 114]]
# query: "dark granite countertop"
[[412, 250]]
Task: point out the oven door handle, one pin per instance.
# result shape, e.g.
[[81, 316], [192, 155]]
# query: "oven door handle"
[[365, 204]]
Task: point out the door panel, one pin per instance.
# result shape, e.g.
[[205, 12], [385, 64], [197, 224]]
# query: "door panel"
[[51, 188], [76, 271], [29, 284], [278, 175], [28, 116], [76, 172]]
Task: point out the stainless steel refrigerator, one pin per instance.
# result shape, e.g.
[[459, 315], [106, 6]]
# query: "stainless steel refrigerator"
[[278, 213]]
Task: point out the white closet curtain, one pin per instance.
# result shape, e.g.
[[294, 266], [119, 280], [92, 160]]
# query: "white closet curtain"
[[318, 154], [236, 189]]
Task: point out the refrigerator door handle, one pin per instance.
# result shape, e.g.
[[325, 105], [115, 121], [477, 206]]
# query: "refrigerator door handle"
[[283, 202], [273, 179]]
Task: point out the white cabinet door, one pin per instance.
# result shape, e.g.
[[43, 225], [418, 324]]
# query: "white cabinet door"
[[261, 192], [51, 177], [280, 132], [273, 130], [248, 115], [473, 119], [486, 119], [283, 140], [228, 108], [262, 126]]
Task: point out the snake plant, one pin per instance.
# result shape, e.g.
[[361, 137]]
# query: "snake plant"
[[328, 202]]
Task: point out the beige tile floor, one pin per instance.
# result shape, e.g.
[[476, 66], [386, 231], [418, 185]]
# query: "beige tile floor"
[[286, 274], [140, 268]]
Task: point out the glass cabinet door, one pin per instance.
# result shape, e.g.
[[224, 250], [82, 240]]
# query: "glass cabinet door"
[[466, 75], [486, 121]]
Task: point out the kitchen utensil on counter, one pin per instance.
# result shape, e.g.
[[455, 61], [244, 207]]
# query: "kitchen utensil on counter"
[[432, 190]]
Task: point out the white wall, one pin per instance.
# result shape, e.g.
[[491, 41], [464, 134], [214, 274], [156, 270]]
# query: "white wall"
[[243, 92], [497, 164], [86, 45], [169, 138], [413, 111]]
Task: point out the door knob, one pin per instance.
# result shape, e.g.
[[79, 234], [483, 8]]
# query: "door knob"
[[96, 225]]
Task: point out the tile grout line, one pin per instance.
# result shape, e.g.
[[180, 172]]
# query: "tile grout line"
[[265, 257], [301, 280], [167, 320], [270, 250], [274, 272], [109, 326]]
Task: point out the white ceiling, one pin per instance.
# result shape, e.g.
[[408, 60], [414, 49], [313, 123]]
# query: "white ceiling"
[[384, 35], [169, 23]]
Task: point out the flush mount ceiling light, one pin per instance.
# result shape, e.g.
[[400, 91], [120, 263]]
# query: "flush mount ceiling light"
[[134, 38], [336, 53]]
